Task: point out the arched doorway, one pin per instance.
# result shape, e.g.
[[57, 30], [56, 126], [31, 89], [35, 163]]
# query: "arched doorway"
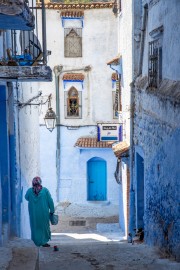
[[97, 179]]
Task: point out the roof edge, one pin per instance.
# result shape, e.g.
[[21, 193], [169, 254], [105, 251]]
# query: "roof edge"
[[91, 5]]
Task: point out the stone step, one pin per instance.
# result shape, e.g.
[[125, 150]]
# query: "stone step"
[[23, 255]]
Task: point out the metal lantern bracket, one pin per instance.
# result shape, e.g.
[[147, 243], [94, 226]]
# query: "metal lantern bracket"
[[29, 101], [50, 116]]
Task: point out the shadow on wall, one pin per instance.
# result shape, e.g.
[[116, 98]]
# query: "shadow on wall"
[[25, 224], [121, 209]]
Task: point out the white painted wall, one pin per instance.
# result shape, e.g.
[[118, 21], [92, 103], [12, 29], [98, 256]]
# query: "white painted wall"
[[99, 37], [99, 46], [28, 133], [125, 50], [72, 186]]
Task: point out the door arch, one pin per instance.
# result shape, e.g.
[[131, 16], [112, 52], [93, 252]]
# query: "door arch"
[[96, 179]]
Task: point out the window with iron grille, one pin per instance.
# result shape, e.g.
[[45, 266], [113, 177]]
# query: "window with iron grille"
[[72, 103], [155, 63], [73, 42], [117, 103]]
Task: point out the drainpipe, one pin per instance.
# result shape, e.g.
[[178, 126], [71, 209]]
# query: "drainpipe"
[[19, 171], [132, 217], [143, 32], [4, 44], [58, 70], [44, 33]]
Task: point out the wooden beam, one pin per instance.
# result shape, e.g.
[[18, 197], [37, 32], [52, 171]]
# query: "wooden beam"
[[36, 61]]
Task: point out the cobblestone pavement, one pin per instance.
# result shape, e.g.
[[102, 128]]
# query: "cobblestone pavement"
[[104, 251]]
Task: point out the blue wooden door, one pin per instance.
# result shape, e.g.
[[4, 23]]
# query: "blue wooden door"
[[97, 183], [140, 191]]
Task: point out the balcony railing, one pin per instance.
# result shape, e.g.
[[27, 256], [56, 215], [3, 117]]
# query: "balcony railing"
[[23, 48]]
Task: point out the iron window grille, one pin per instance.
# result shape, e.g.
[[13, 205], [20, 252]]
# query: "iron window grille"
[[73, 103], [117, 102], [73, 42], [155, 64]]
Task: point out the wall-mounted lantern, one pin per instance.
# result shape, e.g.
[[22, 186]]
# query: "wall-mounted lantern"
[[50, 117]]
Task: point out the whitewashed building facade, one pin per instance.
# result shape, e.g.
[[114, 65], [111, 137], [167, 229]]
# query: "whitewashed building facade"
[[82, 39]]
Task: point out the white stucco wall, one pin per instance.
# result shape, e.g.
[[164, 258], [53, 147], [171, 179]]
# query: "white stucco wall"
[[48, 161], [125, 50], [28, 133], [99, 43]]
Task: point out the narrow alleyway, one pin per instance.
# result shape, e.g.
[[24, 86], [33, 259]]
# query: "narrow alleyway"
[[96, 243], [100, 251]]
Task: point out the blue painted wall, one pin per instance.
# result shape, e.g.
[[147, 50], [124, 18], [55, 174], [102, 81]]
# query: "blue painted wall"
[[15, 182], [157, 132], [162, 216], [10, 201], [139, 191], [15, 190], [0, 210], [4, 159]]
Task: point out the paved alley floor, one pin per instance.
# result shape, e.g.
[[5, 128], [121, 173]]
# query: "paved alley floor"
[[100, 251]]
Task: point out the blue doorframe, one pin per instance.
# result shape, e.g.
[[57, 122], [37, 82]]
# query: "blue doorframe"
[[0, 209], [97, 179], [4, 160], [14, 168], [139, 191]]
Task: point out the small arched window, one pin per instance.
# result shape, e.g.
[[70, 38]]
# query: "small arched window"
[[73, 103]]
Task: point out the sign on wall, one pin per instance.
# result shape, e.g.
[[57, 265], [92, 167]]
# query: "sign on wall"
[[109, 132]]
